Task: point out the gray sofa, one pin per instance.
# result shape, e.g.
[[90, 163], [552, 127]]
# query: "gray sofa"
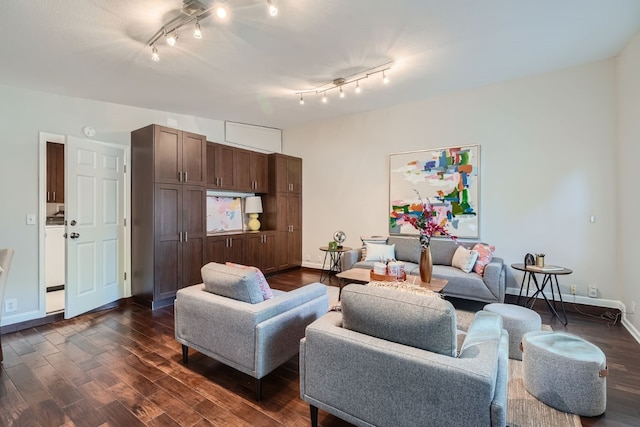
[[489, 287], [390, 359], [254, 338]]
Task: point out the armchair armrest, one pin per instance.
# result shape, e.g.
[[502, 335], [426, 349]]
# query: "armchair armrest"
[[495, 278], [349, 258]]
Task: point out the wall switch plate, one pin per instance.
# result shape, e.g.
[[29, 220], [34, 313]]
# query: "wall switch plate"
[[593, 292], [10, 305], [573, 289], [31, 219]]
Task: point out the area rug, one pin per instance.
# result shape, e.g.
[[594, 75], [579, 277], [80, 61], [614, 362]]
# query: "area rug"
[[523, 410]]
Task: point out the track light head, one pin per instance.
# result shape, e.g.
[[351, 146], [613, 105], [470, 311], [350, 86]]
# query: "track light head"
[[358, 90], [341, 92], [273, 11], [154, 54], [221, 12], [385, 79], [172, 37], [197, 33], [301, 100], [324, 98]]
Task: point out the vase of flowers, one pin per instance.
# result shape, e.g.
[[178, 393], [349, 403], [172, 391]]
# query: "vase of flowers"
[[427, 224]]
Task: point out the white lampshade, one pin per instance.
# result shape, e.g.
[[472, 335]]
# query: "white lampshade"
[[253, 204]]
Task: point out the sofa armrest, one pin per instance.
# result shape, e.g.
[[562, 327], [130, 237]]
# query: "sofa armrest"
[[349, 258], [351, 375], [495, 278]]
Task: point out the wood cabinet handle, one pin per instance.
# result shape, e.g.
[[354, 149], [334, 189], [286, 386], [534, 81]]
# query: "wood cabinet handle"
[[185, 176], [54, 196], [186, 238]]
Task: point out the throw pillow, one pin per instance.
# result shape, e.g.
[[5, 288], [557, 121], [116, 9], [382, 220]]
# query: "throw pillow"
[[380, 252], [262, 281], [231, 282], [485, 255], [464, 259], [381, 240]]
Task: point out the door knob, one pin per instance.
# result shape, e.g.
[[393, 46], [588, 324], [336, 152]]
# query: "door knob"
[[74, 235], [73, 222]]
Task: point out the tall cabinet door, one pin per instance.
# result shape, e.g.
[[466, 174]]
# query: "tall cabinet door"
[[195, 234], [168, 239], [243, 170], [167, 151], [194, 159]]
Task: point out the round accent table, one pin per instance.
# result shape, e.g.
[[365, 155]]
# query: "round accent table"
[[549, 277], [334, 255]]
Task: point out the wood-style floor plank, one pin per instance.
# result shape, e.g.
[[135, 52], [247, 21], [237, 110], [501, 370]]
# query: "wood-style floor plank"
[[123, 367]]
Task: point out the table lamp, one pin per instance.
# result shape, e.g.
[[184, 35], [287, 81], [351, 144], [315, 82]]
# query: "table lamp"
[[253, 206]]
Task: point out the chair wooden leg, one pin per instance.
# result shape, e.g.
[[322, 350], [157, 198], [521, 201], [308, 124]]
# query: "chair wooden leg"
[[258, 390], [185, 354], [314, 415]]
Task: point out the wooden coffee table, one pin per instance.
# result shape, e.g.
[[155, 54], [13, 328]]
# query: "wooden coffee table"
[[362, 275]]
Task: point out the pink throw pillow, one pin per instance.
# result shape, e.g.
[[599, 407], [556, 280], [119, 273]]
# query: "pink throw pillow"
[[485, 255], [262, 281]]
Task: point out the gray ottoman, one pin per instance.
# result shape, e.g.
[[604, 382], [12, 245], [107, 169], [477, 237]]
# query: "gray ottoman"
[[565, 372], [517, 320]]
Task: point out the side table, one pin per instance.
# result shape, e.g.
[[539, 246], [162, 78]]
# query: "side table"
[[334, 255], [549, 277]]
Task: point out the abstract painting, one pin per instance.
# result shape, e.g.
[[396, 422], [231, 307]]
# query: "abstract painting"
[[448, 178], [224, 213]]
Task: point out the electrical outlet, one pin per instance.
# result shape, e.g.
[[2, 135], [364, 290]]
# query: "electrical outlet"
[[10, 305], [574, 289], [593, 291]]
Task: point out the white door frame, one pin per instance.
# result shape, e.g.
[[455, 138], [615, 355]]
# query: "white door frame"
[[45, 137]]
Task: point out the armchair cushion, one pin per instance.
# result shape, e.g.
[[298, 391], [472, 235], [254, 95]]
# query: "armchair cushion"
[[232, 282], [415, 320]]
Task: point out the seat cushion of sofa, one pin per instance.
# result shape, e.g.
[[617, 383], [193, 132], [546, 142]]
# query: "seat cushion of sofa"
[[463, 284], [232, 282], [411, 319]]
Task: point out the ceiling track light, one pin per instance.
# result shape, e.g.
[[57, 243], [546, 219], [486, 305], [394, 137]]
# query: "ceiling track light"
[[341, 82], [273, 11], [301, 100], [192, 10]]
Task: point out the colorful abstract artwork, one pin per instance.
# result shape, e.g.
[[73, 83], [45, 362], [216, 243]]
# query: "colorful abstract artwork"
[[448, 178], [224, 213]]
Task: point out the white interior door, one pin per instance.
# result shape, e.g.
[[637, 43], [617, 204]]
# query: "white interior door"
[[94, 205]]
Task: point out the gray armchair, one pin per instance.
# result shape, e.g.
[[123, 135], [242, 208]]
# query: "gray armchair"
[[254, 338], [390, 359]]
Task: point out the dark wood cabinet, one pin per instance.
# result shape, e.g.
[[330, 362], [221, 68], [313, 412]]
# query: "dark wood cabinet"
[[261, 251], [55, 172], [236, 169], [221, 161], [287, 173], [227, 248], [283, 208], [168, 212]]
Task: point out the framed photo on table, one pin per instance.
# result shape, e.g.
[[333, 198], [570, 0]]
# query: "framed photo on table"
[[449, 178]]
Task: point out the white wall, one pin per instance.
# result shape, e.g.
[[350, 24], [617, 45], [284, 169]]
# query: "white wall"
[[548, 162], [23, 114], [628, 68]]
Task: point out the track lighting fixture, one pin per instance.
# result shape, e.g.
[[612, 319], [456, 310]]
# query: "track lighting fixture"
[[273, 11], [172, 37], [340, 82], [301, 100], [192, 10]]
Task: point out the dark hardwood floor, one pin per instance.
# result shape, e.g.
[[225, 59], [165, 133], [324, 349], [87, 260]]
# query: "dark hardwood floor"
[[122, 367]]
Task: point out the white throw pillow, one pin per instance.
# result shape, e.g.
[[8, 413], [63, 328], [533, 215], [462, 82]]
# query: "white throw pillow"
[[464, 259], [380, 252]]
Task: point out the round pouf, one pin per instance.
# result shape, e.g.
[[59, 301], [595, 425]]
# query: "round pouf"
[[565, 372], [517, 320]]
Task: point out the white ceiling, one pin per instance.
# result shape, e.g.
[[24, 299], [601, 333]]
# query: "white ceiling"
[[248, 68]]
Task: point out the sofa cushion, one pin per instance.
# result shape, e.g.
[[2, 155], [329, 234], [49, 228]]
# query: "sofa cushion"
[[405, 318], [442, 250], [262, 281], [485, 255], [381, 240], [380, 252], [232, 282], [464, 259], [407, 248]]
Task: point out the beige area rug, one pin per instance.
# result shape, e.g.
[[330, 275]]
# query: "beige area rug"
[[523, 410]]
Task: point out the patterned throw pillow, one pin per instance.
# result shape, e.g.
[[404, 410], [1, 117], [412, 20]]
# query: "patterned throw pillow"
[[380, 240], [485, 255], [262, 281], [464, 259]]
